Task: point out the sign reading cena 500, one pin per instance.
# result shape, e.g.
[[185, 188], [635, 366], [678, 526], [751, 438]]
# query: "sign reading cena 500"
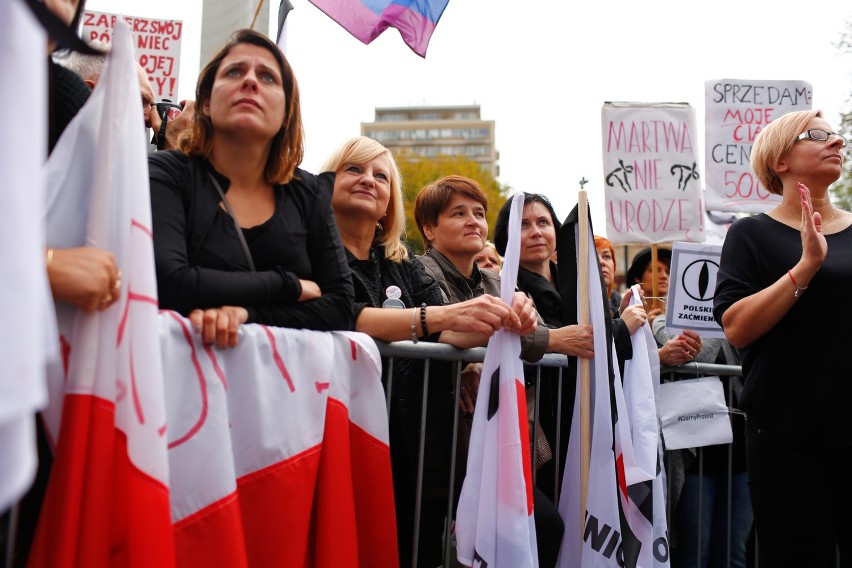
[[735, 113]]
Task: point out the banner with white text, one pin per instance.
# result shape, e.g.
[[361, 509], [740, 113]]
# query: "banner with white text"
[[735, 111], [653, 187]]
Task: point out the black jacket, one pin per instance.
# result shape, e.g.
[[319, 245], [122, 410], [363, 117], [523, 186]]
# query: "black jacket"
[[201, 263]]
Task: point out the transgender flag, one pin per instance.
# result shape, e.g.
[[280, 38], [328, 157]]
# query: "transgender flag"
[[366, 19]]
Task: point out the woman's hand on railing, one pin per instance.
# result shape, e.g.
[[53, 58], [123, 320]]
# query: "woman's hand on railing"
[[527, 316], [682, 349], [219, 325], [482, 315], [575, 340], [469, 387]]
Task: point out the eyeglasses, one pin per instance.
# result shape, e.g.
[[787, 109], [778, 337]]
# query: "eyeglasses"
[[820, 135]]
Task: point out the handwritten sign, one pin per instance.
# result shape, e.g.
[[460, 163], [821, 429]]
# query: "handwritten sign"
[[735, 112], [157, 44], [692, 286], [653, 187]]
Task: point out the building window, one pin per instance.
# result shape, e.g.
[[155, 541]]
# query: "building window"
[[391, 117]]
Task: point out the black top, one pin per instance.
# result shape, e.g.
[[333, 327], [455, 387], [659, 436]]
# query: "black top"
[[546, 297], [797, 374], [66, 95], [548, 302], [373, 276], [201, 263]]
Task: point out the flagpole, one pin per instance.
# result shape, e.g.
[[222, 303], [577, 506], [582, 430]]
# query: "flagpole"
[[256, 12], [585, 387], [655, 303]]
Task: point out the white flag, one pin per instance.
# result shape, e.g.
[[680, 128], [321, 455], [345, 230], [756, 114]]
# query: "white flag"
[[639, 451], [107, 412], [24, 295], [494, 523], [593, 538]]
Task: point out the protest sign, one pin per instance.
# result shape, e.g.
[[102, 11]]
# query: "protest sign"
[[692, 285], [735, 111], [693, 413], [156, 42], [653, 188]]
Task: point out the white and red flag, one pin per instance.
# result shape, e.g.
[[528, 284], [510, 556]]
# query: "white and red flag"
[[278, 449], [494, 523], [593, 537], [24, 294], [639, 450], [624, 521], [107, 501]]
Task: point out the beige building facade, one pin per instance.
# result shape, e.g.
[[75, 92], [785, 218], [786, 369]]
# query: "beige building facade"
[[429, 131]]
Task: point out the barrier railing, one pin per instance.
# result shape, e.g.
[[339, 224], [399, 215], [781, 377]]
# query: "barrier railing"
[[439, 352]]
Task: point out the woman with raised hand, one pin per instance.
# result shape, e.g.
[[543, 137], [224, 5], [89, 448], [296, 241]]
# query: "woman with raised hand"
[[241, 234], [780, 292]]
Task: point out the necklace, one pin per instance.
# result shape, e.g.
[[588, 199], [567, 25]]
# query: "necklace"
[[798, 215]]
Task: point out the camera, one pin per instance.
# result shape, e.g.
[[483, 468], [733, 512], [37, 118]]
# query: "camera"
[[168, 107]]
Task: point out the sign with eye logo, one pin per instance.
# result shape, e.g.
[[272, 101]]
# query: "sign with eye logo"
[[692, 285]]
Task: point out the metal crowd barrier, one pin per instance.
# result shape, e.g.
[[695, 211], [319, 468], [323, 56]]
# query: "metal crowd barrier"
[[431, 351]]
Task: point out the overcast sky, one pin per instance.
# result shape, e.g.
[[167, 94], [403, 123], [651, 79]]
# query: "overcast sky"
[[542, 70]]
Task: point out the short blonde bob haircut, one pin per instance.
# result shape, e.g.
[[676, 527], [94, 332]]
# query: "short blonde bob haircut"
[[287, 149], [360, 150], [775, 140]]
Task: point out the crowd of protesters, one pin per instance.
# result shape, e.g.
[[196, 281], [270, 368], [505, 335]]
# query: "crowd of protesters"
[[243, 235]]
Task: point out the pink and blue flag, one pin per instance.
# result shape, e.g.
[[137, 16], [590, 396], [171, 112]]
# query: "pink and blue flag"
[[367, 19]]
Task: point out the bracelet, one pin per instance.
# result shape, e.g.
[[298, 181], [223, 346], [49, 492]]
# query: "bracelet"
[[414, 325], [799, 289], [423, 320], [48, 257]]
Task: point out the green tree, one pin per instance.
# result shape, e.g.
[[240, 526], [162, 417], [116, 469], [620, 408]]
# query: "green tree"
[[842, 188], [417, 172]]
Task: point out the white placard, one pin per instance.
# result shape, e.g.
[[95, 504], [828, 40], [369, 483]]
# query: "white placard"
[[735, 111], [693, 413], [692, 285], [156, 43], [652, 183]]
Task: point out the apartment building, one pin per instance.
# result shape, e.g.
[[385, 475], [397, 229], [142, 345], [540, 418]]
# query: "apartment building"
[[429, 131]]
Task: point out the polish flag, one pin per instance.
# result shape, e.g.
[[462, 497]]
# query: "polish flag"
[[278, 449], [107, 500], [495, 526]]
